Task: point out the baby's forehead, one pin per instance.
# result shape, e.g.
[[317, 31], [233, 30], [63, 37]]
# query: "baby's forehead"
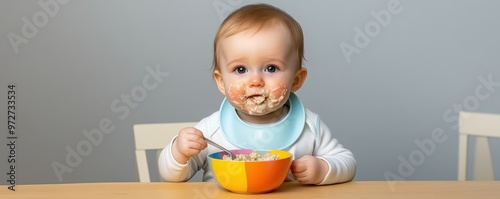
[[288, 33], [272, 40], [254, 26]]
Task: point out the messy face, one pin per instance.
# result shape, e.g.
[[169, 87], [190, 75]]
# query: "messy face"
[[257, 70], [256, 101]]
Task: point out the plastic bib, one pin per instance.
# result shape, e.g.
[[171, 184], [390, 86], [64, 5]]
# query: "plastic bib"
[[279, 135]]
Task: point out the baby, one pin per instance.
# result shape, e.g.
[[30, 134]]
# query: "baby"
[[258, 53]]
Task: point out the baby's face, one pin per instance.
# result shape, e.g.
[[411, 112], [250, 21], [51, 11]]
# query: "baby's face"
[[257, 69]]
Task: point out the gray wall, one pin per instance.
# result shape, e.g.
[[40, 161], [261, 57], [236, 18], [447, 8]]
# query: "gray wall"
[[82, 63]]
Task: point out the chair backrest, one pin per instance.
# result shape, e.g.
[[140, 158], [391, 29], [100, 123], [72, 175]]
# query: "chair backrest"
[[153, 137], [483, 126]]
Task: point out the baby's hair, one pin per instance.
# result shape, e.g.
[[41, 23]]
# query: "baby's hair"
[[258, 16]]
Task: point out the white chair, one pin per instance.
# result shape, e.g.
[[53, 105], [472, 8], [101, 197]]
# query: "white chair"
[[483, 126], [153, 137]]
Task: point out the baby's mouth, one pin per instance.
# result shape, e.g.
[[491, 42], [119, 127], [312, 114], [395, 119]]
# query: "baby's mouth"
[[257, 99]]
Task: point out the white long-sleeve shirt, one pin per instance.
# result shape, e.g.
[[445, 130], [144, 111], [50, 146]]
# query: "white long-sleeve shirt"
[[316, 140]]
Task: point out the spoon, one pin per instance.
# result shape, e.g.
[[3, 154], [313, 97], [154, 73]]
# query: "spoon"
[[231, 154]]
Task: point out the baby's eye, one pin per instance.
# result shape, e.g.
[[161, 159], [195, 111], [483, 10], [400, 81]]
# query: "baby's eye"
[[271, 68], [240, 69]]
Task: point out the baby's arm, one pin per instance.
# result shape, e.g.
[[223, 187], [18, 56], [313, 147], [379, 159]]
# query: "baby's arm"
[[331, 163], [179, 161]]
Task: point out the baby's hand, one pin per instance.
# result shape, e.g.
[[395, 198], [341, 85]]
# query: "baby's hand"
[[309, 169], [188, 143]]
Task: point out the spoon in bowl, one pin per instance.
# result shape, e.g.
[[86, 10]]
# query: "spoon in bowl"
[[231, 154]]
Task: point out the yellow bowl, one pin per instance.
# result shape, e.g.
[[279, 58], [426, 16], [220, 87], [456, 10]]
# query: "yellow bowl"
[[250, 176]]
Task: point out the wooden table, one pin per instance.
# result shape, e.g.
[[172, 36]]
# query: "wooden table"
[[198, 190]]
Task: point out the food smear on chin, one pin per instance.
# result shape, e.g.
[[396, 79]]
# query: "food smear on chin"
[[256, 101]]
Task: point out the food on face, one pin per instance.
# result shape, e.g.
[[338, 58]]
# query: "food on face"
[[252, 157], [256, 101]]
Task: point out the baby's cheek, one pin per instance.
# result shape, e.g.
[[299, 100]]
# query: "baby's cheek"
[[236, 93], [278, 93]]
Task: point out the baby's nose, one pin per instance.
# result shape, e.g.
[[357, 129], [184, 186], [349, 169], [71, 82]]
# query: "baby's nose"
[[256, 81]]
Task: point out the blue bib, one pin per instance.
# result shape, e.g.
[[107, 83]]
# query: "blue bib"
[[278, 135]]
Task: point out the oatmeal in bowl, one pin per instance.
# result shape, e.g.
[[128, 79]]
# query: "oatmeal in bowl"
[[258, 171]]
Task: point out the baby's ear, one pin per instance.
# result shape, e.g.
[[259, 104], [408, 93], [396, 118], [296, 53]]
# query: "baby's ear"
[[220, 83], [299, 79]]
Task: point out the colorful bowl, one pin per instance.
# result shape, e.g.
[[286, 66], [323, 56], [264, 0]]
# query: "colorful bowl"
[[250, 176]]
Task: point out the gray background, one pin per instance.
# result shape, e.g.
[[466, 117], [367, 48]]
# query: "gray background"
[[410, 80]]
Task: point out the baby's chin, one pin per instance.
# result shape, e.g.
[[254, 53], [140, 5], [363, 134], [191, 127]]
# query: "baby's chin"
[[257, 108]]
